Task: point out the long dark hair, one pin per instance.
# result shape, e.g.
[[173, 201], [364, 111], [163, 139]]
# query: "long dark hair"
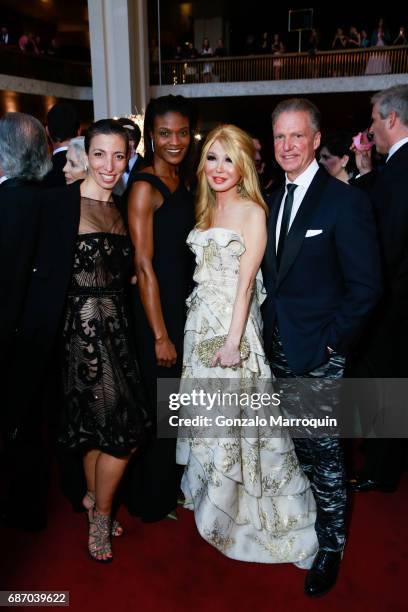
[[338, 144], [158, 107], [105, 126]]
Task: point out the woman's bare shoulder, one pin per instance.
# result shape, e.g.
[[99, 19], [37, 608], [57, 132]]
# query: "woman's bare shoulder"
[[253, 211], [143, 192]]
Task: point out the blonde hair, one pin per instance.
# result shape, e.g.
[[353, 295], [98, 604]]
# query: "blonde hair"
[[240, 149]]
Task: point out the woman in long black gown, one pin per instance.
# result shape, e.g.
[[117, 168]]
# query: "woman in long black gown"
[[160, 216]]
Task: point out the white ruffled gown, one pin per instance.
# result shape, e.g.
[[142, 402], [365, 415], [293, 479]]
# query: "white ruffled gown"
[[250, 497]]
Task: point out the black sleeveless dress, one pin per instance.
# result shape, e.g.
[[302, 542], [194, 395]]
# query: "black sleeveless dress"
[[155, 477], [105, 404]]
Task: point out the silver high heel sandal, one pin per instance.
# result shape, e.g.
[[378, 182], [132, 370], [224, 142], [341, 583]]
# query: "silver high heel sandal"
[[117, 529], [99, 537]]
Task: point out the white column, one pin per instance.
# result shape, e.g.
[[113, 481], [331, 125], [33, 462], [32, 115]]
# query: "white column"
[[139, 54], [119, 55]]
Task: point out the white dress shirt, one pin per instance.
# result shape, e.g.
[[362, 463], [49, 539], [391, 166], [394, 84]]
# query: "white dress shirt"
[[55, 151], [303, 183], [396, 146], [131, 163], [121, 185]]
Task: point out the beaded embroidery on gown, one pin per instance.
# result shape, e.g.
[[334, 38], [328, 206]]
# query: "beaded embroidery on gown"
[[250, 497], [105, 403]]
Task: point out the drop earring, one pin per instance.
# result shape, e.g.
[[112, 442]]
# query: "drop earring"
[[152, 145]]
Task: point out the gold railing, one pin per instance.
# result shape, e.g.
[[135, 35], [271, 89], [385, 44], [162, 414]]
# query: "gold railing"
[[321, 64]]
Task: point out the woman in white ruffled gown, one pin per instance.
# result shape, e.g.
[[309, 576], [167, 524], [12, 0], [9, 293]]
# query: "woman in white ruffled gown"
[[249, 495]]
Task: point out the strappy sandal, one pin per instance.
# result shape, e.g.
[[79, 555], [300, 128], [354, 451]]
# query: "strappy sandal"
[[117, 529], [172, 515], [99, 537]]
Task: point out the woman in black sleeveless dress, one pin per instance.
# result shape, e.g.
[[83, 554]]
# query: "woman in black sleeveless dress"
[[160, 215]]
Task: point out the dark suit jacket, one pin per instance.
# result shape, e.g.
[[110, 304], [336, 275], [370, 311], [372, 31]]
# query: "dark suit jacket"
[[385, 344], [137, 166], [41, 320], [19, 213], [44, 298], [56, 177], [53, 264], [328, 283]]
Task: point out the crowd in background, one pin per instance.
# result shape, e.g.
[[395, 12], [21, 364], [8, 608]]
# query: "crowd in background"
[[32, 43], [313, 40], [265, 43]]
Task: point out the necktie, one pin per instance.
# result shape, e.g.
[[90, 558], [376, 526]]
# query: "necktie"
[[287, 209]]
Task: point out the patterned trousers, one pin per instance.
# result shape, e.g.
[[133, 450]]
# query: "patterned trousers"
[[320, 457]]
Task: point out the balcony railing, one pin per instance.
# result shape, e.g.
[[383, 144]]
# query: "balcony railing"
[[14, 62], [322, 64]]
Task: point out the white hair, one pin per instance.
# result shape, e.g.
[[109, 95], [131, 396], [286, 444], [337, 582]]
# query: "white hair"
[[78, 144], [23, 147]]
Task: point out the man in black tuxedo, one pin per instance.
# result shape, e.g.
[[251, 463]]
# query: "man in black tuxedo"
[[135, 162], [322, 278], [4, 36], [62, 125], [382, 353], [24, 161]]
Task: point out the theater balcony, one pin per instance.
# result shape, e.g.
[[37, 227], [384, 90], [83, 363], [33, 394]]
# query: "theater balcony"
[[286, 74], [44, 75]]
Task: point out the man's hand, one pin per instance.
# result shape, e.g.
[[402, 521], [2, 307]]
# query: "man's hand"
[[361, 148]]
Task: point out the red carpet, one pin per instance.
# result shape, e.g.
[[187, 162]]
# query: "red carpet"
[[167, 566]]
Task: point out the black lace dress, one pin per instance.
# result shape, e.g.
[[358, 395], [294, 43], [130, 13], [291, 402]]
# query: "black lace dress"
[[105, 405]]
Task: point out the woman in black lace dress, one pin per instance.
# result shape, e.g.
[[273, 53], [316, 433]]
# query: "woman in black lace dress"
[[104, 414]]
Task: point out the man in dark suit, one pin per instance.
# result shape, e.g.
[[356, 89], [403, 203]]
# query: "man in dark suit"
[[382, 353], [62, 125], [135, 162], [24, 160], [4, 36], [322, 277]]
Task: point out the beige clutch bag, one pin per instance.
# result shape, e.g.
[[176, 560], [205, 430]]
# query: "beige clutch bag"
[[207, 348]]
